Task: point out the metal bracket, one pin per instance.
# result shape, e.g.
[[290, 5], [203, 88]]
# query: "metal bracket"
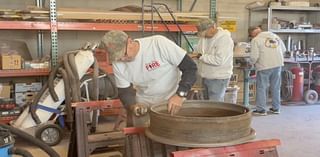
[[83, 143], [54, 33], [213, 9]]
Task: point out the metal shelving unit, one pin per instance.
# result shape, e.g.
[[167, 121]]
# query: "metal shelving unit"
[[309, 15], [285, 10], [85, 26], [54, 26], [24, 72], [295, 30], [301, 21]]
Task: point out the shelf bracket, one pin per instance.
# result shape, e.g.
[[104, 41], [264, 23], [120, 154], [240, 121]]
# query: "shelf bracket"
[[213, 9], [40, 4], [54, 33]]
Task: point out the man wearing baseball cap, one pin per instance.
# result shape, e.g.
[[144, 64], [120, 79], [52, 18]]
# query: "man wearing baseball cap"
[[158, 69], [215, 54], [266, 54]]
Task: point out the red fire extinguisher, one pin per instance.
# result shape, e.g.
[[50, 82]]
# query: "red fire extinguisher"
[[297, 90]]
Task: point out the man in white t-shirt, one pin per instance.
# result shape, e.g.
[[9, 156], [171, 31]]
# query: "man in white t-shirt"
[[158, 69], [267, 55], [215, 54]]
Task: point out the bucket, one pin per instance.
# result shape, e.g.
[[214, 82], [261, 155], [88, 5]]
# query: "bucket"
[[231, 95]]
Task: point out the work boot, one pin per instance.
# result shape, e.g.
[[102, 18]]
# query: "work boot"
[[274, 111], [259, 112]]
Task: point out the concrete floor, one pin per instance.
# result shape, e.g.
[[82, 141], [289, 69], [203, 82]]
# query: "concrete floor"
[[298, 128]]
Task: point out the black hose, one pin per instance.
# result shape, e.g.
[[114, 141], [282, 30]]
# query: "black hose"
[[107, 80], [114, 87], [19, 151], [33, 106], [95, 80], [95, 93], [76, 80], [67, 95], [69, 72], [31, 139], [52, 75], [286, 85]]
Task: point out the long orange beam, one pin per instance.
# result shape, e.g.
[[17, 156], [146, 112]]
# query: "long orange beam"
[[85, 26]]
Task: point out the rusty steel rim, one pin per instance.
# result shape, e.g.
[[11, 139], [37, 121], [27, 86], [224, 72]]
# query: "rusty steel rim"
[[167, 141], [201, 124]]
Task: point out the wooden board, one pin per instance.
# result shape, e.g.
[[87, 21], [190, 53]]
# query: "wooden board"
[[33, 12]]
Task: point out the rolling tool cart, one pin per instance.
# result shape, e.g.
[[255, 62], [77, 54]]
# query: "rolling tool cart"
[[39, 119]]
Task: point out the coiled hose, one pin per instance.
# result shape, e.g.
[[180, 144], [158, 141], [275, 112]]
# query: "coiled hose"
[[286, 85], [68, 70], [19, 151], [67, 100], [32, 140], [33, 106], [51, 78]]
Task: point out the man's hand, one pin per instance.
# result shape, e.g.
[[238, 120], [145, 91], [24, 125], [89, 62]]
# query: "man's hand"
[[174, 104], [195, 55], [139, 109]]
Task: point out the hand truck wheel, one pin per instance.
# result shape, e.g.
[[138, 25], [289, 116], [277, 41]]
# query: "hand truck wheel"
[[50, 134], [310, 96]]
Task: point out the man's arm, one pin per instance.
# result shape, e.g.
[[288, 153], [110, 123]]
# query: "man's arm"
[[221, 54], [127, 96], [254, 52], [189, 74], [188, 78]]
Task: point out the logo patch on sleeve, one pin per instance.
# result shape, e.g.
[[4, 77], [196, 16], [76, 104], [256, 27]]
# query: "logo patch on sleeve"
[[152, 66]]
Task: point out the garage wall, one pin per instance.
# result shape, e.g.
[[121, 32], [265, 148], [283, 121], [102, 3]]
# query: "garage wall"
[[235, 10]]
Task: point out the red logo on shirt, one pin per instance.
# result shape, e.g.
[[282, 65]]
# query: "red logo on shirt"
[[153, 65]]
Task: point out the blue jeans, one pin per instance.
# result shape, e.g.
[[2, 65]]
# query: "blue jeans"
[[215, 89], [267, 77]]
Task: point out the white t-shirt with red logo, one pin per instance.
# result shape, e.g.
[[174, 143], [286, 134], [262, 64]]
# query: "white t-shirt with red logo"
[[154, 72]]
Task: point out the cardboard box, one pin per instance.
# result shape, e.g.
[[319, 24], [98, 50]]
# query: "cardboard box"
[[239, 73], [234, 79], [5, 91], [28, 87], [252, 86], [252, 91], [24, 98], [252, 96], [9, 62]]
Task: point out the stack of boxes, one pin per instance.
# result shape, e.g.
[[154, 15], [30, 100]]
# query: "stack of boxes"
[[238, 72], [10, 61], [25, 92], [8, 109], [16, 62]]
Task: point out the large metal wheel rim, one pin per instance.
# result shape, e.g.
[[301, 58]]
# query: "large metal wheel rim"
[[247, 111], [162, 140], [50, 135], [225, 114]]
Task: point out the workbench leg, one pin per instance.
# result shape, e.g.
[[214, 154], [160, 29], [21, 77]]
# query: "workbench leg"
[[82, 133], [164, 150], [246, 79]]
